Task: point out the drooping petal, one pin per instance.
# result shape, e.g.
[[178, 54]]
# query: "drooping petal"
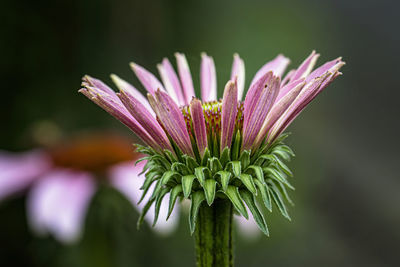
[[148, 80], [172, 119], [112, 104], [199, 126], [238, 71], [262, 106], [287, 88], [125, 86], [277, 110], [287, 77], [19, 170], [185, 76], [145, 119], [309, 92], [229, 112], [306, 67], [208, 79], [93, 82], [277, 66], [294, 109], [171, 82], [57, 204], [328, 66], [125, 178]]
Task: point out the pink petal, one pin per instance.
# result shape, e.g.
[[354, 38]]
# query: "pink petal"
[[238, 73], [148, 80], [305, 67], [90, 81], [229, 112], [185, 76], [58, 203], [199, 126], [277, 66], [310, 91], [171, 82], [19, 170], [262, 106], [144, 118], [287, 78], [125, 86], [125, 178], [208, 79], [172, 119], [277, 110], [252, 95], [328, 66], [111, 103], [287, 88]]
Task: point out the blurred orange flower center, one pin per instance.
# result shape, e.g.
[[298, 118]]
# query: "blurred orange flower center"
[[93, 153]]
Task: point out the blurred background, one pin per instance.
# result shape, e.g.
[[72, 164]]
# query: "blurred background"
[[346, 171]]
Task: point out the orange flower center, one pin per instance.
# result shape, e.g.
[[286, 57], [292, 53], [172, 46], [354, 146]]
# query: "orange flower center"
[[94, 153]]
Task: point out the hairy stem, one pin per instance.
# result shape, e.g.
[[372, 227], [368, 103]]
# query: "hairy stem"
[[213, 236]]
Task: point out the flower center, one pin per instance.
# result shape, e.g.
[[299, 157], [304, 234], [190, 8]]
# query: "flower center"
[[212, 115], [94, 153]]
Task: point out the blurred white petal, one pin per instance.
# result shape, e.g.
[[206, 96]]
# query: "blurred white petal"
[[125, 178], [57, 204], [247, 229], [19, 170]]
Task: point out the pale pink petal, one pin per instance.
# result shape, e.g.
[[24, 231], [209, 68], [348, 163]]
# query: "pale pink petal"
[[252, 95], [310, 91], [262, 106], [125, 86], [277, 66], [171, 82], [185, 76], [145, 119], [238, 73], [113, 105], [19, 170], [305, 68], [229, 112], [208, 79], [280, 106], [125, 178], [290, 86], [93, 82], [328, 66], [57, 204], [148, 80], [287, 78], [199, 126], [172, 119]]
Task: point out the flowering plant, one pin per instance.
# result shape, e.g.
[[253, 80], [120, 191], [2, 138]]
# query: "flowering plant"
[[219, 154]]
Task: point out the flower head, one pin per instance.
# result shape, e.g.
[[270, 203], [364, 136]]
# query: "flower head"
[[210, 148], [63, 179]]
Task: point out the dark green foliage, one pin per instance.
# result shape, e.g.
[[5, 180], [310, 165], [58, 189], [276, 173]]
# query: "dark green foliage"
[[234, 175]]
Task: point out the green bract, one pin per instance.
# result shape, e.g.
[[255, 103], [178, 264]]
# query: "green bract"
[[244, 178]]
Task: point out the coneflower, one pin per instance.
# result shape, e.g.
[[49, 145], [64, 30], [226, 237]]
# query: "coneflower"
[[218, 153]]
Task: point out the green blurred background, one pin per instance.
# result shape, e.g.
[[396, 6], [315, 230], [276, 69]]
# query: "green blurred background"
[[347, 183]]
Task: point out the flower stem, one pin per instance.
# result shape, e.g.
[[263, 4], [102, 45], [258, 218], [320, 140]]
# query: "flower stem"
[[213, 236]]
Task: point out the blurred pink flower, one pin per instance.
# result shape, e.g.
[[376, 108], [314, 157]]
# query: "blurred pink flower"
[[62, 181]]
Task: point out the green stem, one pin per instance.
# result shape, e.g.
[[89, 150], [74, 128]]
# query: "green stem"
[[213, 236]]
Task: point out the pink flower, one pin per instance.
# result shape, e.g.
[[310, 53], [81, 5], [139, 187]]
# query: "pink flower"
[[172, 109], [213, 141], [62, 180]]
